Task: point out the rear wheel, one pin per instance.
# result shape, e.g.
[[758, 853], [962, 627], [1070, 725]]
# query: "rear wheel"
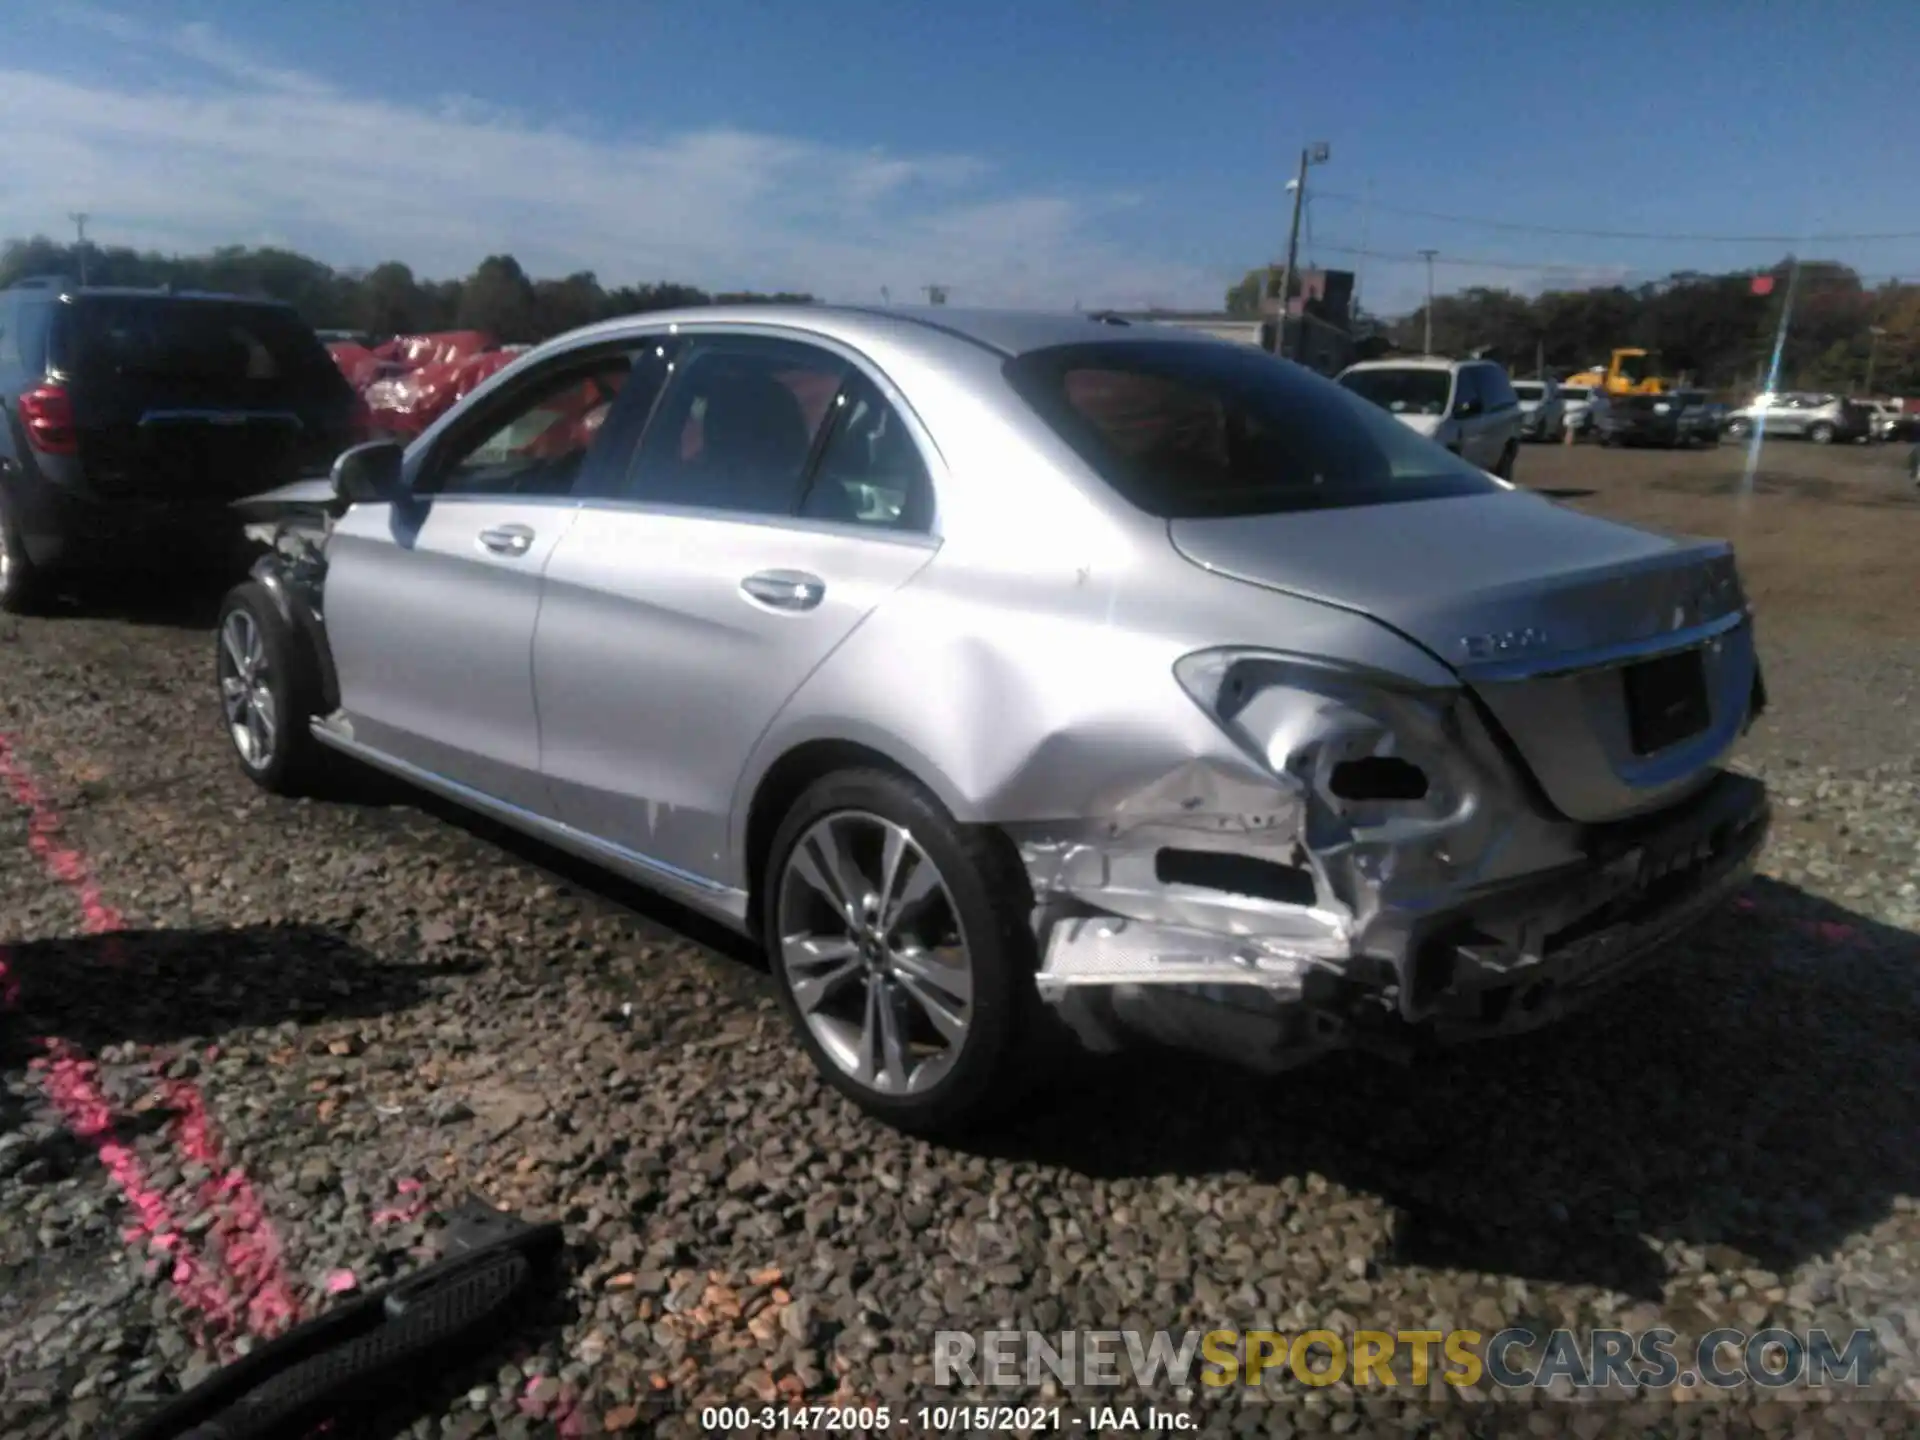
[[22, 583], [900, 944], [1739, 429], [1821, 434], [268, 692]]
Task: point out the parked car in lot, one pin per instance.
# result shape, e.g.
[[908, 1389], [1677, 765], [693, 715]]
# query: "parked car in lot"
[[1466, 406], [1582, 408], [1009, 676], [1820, 418], [1543, 414], [133, 416], [1884, 421], [1676, 419]]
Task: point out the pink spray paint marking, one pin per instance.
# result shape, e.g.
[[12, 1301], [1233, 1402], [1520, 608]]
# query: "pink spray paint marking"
[[251, 1248], [411, 1208]]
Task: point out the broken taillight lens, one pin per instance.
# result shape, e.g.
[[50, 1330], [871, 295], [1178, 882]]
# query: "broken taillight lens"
[[46, 413]]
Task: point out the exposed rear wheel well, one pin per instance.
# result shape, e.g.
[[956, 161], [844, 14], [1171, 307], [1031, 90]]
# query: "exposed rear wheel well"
[[783, 784]]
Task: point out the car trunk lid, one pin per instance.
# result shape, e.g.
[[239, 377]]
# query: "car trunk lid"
[[1551, 616], [191, 399]]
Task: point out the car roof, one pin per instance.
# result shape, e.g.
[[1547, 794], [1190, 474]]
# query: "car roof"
[[1004, 332], [1415, 362]]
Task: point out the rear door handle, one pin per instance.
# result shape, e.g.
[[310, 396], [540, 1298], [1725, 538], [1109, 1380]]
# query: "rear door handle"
[[507, 539], [785, 589]]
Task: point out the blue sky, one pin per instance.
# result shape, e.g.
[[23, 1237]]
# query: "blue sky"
[[1122, 153]]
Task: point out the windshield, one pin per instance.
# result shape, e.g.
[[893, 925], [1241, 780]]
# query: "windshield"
[[1529, 390], [1191, 430], [1412, 391]]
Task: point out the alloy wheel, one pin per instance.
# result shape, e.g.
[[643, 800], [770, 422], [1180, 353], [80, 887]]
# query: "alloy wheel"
[[246, 690], [6, 564], [873, 953]]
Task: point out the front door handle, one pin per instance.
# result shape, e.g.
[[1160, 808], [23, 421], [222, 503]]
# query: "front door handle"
[[785, 589], [507, 539]]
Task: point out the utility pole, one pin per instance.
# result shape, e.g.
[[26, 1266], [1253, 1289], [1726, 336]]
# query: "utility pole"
[[1314, 154], [1874, 332], [1427, 349], [80, 218]]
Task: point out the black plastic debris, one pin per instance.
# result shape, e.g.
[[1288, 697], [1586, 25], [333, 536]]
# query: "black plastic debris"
[[368, 1353]]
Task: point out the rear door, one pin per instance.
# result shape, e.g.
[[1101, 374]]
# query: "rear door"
[[431, 601], [777, 497], [182, 398]]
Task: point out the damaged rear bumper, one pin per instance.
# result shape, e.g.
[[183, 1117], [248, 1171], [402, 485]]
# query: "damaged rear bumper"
[[1495, 960]]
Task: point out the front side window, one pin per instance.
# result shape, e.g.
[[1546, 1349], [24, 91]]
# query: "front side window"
[[1412, 391], [1186, 430], [737, 426], [533, 441]]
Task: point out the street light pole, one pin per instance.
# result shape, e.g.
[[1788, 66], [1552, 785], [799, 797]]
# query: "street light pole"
[[80, 218], [1427, 349], [1315, 154]]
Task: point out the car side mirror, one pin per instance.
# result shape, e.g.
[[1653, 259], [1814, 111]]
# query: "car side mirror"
[[368, 474], [1466, 409]]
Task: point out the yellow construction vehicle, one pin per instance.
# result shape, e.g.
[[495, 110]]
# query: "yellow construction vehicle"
[[1630, 372]]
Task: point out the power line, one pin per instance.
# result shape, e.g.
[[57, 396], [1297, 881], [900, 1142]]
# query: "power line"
[[1517, 227]]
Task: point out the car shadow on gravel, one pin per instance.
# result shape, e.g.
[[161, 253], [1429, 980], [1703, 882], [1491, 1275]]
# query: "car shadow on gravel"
[[1761, 1100], [164, 988]]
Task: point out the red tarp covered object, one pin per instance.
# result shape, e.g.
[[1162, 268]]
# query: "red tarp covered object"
[[407, 403]]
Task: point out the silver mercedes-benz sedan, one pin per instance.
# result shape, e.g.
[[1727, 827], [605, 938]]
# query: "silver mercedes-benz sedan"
[[1017, 677]]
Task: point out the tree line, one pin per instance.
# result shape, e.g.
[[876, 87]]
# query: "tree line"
[[1712, 328], [498, 297]]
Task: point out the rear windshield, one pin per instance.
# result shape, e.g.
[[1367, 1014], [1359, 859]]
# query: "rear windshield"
[[1190, 430], [1413, 391], [1529, 390], [161, 338]]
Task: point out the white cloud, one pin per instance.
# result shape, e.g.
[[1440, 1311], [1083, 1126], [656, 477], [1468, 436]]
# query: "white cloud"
[[228, 145]]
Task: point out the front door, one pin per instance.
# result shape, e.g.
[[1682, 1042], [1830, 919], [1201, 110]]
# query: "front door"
[[774, 500], [431, 601]]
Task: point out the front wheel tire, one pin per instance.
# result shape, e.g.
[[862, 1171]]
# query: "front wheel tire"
[[1821, 434], [901, 947], [268, 692]]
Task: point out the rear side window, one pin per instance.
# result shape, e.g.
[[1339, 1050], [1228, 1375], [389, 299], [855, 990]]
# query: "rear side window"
[[1191, 430], [1495, 390], [161, 339], [871, 471]]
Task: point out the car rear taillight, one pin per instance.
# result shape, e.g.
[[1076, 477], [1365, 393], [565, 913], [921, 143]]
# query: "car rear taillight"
[[46, 411]]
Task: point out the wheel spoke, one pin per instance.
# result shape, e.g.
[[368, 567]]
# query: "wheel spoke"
[[949, 1021], [816, 967], [927, 969], [236, 647], [262, 705], [233, 695], [823, 864], [921, 883], [893, 1053]]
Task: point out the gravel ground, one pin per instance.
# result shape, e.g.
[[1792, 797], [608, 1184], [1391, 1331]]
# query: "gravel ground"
[[347, 1016]]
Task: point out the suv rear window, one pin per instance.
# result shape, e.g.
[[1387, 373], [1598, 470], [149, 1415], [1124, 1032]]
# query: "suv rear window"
[[1194, 430], [163, 338], [1412, 390], [1529, 390]]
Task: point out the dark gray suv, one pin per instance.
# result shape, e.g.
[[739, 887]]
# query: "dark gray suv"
[[132, 418]]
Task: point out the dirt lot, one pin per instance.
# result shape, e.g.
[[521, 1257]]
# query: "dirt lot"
[[254, 1047]]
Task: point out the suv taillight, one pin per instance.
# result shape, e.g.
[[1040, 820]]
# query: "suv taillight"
[[46, 412]]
